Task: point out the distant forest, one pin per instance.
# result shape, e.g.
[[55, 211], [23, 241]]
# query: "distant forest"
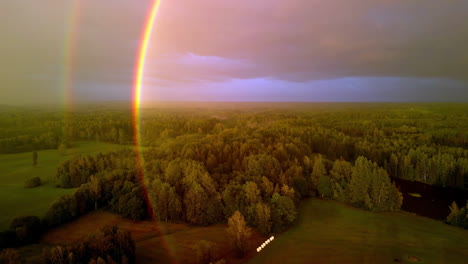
[[201, 164]]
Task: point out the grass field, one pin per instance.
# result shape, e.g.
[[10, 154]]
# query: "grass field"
[[330, 232], [326, 232], [156, 242], [16, 200]]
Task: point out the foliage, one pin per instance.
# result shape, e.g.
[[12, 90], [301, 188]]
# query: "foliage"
[[370, 187], [32, 182], [283, 212], [62, 211], [204, 252], [108, 245], [238, 232], [28, 229], [10, 256], [325, 187], [202, 166], [458, 216]]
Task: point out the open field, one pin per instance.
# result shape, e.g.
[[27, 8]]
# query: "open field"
[[156, 242], [330, 232], [16, 200]]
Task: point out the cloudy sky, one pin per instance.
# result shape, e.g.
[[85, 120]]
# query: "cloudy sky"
[[230, 50]]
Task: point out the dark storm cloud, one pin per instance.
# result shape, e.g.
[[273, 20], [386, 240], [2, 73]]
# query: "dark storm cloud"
[[213, 41], [312, 39]]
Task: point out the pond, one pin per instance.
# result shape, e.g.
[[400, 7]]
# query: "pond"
[[427, 200]]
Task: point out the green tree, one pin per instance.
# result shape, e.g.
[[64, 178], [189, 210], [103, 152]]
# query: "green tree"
[[318, 171], [283, 212], [325, 187], [95, 188], [360, 182]]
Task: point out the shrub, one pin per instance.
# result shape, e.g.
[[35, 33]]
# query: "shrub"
[[10, 256], [32, 182], [204, 252], [109, 245], [7, 239], [62, 211], [325, 186], [28, 229]]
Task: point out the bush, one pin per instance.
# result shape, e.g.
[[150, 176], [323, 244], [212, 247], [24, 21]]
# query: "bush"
[[32, 182], [325, 187], [10, 256], [28, 229], [458, 216], [7, 239], [62, 211], [109, 245], [204, 252]]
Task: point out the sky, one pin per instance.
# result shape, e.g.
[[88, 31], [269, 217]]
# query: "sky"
[[258, 50]]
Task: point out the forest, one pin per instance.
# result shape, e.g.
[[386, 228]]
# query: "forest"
[[203, 164]]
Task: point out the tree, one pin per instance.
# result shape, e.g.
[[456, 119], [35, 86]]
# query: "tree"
[[325, 187], [62, 211], [238, 232], [263, 218], [257, 166], [34, 158], [318, 170], [95, 188], [195, 202], [252, 192], [32, 182], [283, 212], [166, 203], [453, 216], [360, 182], [341, 171], [10, 256], [62, 148], [28, 229], [370, 187], [233, 199], [204, 252]]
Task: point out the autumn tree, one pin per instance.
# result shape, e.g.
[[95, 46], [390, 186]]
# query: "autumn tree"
[[95, 188], [325, 187], [166, 203], [238, 232], [263, 218], [318, 171]]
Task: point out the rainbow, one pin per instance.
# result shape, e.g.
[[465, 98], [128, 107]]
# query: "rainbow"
[[136, 106], [137, 88]]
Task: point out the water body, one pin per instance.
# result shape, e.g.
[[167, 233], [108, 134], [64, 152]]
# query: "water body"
[[434, 201]]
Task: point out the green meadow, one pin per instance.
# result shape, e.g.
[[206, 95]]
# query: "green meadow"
[[16, 200], [331, 232]]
